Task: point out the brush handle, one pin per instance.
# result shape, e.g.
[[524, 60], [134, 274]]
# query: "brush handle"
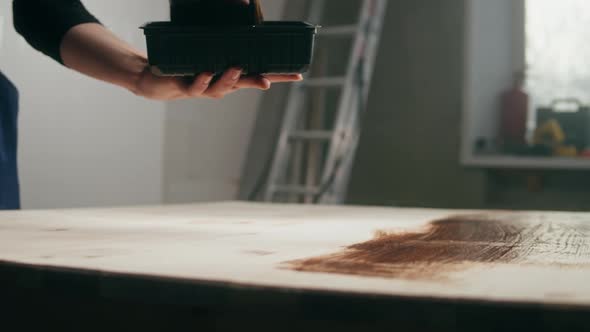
[[216, 12]]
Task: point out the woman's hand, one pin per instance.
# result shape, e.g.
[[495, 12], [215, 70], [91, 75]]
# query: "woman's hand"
[[173, 88], [95, 51]]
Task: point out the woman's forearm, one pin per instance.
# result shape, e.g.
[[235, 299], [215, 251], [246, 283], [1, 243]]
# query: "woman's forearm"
[[93, 50], [66, 31]]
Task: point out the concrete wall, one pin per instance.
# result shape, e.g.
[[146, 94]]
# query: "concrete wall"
[[410, 147], [206, 142], [84, 143]]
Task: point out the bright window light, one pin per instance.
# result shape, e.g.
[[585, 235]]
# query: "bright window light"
[[558, 50]]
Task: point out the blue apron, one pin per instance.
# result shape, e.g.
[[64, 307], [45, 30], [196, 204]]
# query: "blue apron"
[[9, 185]]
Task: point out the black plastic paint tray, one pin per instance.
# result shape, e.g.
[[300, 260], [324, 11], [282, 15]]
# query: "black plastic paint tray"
[[272, 47]]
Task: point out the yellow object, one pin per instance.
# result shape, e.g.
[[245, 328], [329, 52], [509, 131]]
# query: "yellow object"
[[549, 133], [565, 151]]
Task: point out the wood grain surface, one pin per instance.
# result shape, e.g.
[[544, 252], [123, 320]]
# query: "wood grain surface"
[[459, 242], [485, 256]]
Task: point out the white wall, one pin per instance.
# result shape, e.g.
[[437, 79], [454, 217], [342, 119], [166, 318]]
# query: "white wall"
[[494, 50], [207, 141], [84, 143]]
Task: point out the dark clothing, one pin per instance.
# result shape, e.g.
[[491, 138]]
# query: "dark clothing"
[[44, 23], [9, 188]]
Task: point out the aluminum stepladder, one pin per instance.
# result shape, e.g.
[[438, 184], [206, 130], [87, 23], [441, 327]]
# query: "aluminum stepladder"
[[342, 141]]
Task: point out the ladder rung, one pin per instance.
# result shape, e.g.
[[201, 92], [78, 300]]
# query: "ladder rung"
[[339, 141], [297, 190], [339, 30], [324, 82], [312, 135]]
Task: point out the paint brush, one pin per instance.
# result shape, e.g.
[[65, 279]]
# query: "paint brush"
[[216, 12], [256, 14]]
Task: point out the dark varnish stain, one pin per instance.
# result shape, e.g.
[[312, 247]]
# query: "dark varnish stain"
[[456, 243]]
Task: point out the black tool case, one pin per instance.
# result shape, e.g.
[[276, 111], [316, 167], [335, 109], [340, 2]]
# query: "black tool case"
[[272, 47], [575, 122]]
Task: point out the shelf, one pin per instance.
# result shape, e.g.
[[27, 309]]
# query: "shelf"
[[540, 163]]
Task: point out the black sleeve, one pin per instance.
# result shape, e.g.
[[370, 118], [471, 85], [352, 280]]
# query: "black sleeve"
[[44, 23]]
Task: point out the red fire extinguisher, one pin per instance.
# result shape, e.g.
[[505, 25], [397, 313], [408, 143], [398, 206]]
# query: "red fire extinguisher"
[[515, 105]]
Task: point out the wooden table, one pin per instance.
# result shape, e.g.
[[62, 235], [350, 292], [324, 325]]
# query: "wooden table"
[[238, 264]]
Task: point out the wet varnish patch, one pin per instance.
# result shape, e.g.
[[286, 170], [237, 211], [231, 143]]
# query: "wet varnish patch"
[[455, 243]]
